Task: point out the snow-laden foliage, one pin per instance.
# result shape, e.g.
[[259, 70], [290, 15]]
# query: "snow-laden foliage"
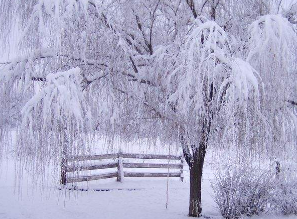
[[209, 80], [60, 111], [245, 79], [241, 191], [203, 60], [244, 188], [272, 43], [38, 20], [182, 72], [60, 96], [275, 34], [284, 198]]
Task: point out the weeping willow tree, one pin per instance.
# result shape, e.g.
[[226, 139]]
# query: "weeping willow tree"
[[141, 69], [43, 86], [272, 45], [214, 82]]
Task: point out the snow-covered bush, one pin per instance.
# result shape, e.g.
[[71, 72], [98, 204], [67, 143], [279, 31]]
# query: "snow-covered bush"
[[242, 191], [284, 199]]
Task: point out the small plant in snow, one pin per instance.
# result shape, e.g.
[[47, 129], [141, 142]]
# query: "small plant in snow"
[[284, 198], [242, 191]]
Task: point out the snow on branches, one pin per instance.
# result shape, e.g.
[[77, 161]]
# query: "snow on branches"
[[272, 45], [203, 53], [55, 118], [272, 33], [208, 78], [208, 69], [246, 79], [61, 96]]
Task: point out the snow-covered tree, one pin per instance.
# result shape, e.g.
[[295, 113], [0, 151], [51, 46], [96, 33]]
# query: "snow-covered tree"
[[173, 70], [271, 48]]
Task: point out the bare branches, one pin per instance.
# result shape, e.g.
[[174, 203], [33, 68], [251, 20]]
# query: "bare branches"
[[39, 55], [213, 9], [86, 82], [140, 80], [294, 103], [192, 7], [279, 5], [151, 27], [133, 64], [139, 25], [41, 79], [203, 5]]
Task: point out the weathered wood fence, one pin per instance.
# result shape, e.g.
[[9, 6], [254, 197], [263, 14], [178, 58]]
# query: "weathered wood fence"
[[121, 161]]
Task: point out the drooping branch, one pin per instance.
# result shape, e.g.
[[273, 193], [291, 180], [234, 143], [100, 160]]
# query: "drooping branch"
[[47, 54], [44, 55], [133, 65], [151, 28], [146, 42]]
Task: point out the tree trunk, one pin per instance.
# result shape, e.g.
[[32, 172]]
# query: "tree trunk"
[[65, 145], [196, 167], [195, 160]]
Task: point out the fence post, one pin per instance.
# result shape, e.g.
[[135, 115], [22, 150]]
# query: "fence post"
[[182, 169], [63, 171], [277, 169], [120, 176]]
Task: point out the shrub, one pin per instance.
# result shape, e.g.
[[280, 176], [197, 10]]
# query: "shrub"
[[284, 199], [242, 191]]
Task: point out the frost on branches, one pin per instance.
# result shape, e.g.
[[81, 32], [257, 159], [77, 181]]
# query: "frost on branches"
[[216, 74], [272, 43], [54, 120]]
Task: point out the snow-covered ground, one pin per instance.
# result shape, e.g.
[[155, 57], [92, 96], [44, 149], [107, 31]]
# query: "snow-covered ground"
[[141, 198], [134, 198]]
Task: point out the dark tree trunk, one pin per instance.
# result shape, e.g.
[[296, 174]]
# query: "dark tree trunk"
[[65, 145], [195, 161], [196, 168]]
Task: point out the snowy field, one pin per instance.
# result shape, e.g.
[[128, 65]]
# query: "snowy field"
[[143, 198], [135, 198]]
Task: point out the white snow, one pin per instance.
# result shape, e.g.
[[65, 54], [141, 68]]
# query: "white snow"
[[244, 77], [143, 198]]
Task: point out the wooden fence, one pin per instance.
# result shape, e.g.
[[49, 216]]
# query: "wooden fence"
[[121, 161]]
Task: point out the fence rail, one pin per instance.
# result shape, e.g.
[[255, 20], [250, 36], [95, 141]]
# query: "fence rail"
[[121, 161], [89, 178], [91, 167]]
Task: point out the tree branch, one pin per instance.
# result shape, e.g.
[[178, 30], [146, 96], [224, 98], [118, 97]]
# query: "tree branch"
[[140, 80], [292, 102], [192, 7]]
